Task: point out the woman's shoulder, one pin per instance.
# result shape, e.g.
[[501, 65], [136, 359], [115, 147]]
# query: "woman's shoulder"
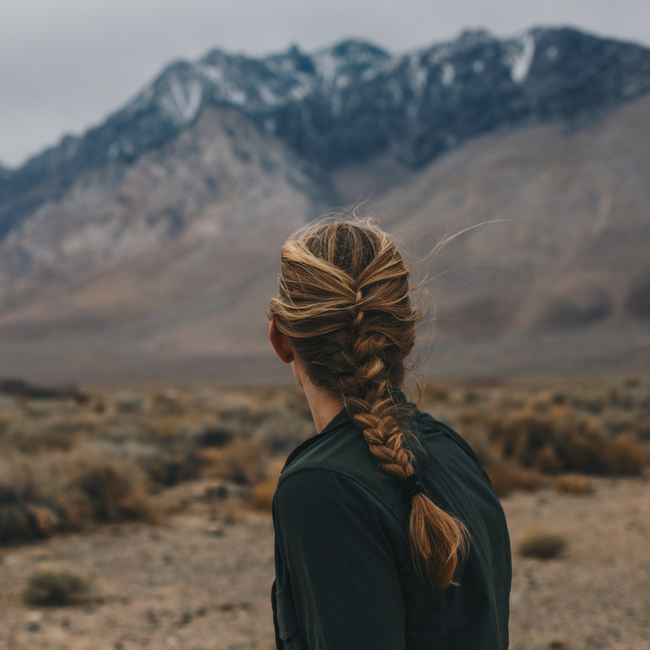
[[429, 425], [340, 466]]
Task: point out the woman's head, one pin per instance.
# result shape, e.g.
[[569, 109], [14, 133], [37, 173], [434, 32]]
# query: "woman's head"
[[343, 302]]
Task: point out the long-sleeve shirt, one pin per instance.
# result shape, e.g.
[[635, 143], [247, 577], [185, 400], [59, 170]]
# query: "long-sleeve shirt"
[[345, 579]]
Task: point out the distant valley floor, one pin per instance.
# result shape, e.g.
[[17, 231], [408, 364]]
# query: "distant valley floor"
[[612, 351]]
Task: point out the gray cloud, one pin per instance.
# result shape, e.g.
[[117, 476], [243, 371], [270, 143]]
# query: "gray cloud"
[[69, 63]]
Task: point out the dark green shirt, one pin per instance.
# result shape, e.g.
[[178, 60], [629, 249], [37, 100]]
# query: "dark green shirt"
[[344, 575]]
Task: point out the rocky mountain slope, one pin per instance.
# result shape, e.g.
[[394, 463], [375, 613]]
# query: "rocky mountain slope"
[[570, 245], [352, 101], [151, 242]]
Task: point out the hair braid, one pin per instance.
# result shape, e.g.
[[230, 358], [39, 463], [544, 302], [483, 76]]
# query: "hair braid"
[[344, 303]]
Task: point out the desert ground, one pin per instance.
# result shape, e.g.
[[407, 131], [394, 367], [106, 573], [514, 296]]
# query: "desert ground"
[[190, 565]]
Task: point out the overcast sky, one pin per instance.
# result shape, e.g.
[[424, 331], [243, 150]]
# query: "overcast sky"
[[67, 64]]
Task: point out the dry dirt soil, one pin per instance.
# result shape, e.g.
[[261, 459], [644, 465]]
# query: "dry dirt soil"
[[201, 580]]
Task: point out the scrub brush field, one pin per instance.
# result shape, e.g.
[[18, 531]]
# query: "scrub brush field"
[[142, 518]]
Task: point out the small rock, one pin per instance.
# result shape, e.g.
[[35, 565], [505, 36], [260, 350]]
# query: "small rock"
[[32, 627], [35, 616]]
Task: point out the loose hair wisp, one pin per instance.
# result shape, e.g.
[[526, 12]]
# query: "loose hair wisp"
[[344, 303]]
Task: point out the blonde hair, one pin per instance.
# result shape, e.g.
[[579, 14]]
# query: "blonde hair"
[[344, 302]]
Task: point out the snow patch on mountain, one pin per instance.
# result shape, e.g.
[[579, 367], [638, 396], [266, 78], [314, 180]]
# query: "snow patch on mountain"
[[182, 100], [448, 74], [521, 57]]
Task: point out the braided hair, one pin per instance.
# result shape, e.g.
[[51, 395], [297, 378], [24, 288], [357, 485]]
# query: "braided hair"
[[343, 302]]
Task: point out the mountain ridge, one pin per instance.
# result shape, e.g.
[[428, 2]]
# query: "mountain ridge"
[[155, 258], [353, 101]]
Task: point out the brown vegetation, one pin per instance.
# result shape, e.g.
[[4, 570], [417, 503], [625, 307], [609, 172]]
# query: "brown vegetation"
[[574, 484], [55, 587], [47, 493], [69, 462], [242, 461], [506, 478], [542, 545], [264, 491]]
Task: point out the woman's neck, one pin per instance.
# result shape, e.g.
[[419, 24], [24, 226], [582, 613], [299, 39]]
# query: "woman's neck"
[[324, 405]]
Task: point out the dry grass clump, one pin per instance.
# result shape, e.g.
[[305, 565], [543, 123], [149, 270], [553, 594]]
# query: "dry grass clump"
[[543, 545], [435, 393], [506, 478], [242, 461], [43, 494], [564, 441], [55, 587], [263, 492], [574, 484]]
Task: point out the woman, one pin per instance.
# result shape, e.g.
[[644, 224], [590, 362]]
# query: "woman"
[[388, 533]]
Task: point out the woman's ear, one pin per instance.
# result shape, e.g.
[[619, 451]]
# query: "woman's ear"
[[407, 349], [280, 343]]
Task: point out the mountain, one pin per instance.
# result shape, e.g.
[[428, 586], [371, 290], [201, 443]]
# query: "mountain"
[[148, 246], [569, 245], [353, 101]]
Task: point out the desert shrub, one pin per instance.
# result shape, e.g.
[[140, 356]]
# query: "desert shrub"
[[564, 442], [470, 416], [242, 461], [625, 457], [543, 545], [574, 484], [643, 428], [559, 398], [621, 399], [114, 490], [20, 520], [59, 430], [618, 423], [127, 403], [55, 587], [46, 493], [435, 393], [592, 402], [522, 434], [168, 402], [506, 478], [540, 403], [263, 492], [169, 469], [216, 436]]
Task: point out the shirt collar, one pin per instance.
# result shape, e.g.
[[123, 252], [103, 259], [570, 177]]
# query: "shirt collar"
[[335, 423]]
